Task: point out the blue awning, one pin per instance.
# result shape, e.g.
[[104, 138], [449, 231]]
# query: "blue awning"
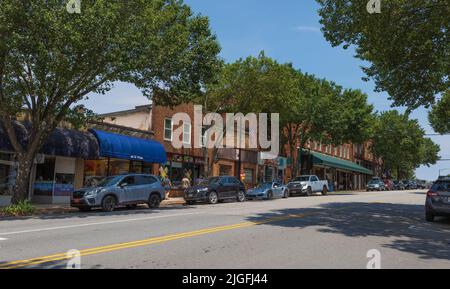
[[129, 148], [61, 142]]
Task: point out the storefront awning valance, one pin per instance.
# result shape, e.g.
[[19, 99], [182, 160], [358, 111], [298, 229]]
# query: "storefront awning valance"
[[325, 160], [62, 142], [129, 148]]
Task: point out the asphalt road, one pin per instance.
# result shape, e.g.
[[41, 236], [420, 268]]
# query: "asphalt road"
[[334, 231]]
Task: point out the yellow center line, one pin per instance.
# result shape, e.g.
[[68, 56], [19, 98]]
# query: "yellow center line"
[[144, 242]]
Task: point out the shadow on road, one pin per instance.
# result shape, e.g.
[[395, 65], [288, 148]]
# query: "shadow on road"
[[403, 223]]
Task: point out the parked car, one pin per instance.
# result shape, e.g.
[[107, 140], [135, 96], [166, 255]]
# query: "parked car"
[[123, 190], [268, 191], [438, 199], [388, 184], [411, 185], [216, 189], [399, 185], [307, 185], [375, 185]]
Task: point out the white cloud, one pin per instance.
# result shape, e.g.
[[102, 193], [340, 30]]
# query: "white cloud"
[[307, 29]]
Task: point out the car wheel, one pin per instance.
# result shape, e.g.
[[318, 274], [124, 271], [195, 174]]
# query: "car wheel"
[[190, 203], [269, 195], [241, 196], [154, 201], [429, 217], [309, 192], [213, 198], [109, 204], [285, 194], [324, 191]]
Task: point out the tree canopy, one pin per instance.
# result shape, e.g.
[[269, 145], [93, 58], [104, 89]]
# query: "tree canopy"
[[401, 143], [407, 44], [51, 59], [439, 116], [309, 108]]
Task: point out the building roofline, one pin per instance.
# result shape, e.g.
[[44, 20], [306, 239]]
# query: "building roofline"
[[139, 108]]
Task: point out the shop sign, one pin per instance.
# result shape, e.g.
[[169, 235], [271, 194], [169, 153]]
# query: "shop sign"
[[134, 157]]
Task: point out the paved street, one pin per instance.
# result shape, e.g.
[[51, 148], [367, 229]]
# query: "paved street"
[[335, 231]]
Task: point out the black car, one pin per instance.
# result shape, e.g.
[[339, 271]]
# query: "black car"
[[399, 185], [216, 189], [438, 199]]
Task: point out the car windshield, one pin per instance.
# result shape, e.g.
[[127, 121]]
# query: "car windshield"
[[441, 187], [301, 179], [374, 182], [210, 181], [265, 186], [109, 181]]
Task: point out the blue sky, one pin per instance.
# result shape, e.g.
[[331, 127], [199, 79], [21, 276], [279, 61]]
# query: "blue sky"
[[288, 31]]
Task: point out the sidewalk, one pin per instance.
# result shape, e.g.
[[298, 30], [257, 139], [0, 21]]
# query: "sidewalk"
[[63, 209]]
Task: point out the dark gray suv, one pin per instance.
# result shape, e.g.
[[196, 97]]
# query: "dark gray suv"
[[438, 199], [124, 190]]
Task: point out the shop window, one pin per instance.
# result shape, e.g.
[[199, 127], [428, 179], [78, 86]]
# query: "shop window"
[[225, 170], [136, 167], [64, 185], [168, 127], [45, 174], [186, 133], [249, 176], [94, 171], [118, 167], [5, 179]]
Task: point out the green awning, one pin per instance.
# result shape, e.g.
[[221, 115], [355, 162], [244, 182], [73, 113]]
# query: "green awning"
[[329, 161]]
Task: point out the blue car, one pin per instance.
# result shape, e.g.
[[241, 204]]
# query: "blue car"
[[268, 191]]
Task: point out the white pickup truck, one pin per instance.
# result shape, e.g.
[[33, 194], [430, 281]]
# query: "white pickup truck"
[[307, 185]]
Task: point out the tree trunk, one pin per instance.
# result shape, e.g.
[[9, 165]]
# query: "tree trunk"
[[206, 170], [20, 188]]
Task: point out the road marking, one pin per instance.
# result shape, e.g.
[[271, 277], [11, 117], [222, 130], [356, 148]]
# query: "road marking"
[[95, 224], [3, 239], [144, 242]]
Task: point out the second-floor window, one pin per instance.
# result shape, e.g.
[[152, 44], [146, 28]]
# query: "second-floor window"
[[187, 133], [168, 126]]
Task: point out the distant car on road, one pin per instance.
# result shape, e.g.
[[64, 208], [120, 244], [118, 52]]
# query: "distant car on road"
[[399, 185], [375, 185], [411, 185], [388, 184], [307, 185], [124, 190], [268, 191], [216, 189], [438, 199]]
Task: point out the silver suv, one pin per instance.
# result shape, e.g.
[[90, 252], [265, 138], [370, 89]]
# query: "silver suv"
[[124, 190]]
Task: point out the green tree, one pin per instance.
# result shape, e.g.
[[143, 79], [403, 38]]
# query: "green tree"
[[407, 44], [51, 59], [439, 116], [309, 108], [253, 84], [400, 142]]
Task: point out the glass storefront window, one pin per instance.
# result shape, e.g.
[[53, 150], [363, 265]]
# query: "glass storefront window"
[[248, 176], [225, 170], [5, 171], [118, 167], [94, 171], [64, 185], [136, 167], [45, 173]]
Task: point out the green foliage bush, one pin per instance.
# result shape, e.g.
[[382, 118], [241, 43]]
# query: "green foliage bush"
[[23, 208]]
